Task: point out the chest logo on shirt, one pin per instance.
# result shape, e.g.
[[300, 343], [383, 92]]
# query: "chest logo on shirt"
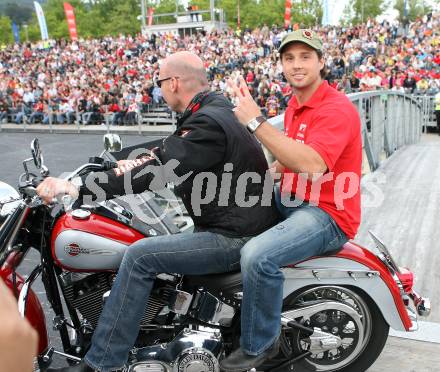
[[300, 135]]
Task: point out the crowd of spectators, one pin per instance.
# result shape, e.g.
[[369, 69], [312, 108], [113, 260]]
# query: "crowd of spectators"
[[89, 80]]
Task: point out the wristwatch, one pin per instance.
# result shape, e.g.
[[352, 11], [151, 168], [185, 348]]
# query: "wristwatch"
[[254, 123]]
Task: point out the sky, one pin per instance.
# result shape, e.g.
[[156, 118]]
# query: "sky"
[[336, 7]]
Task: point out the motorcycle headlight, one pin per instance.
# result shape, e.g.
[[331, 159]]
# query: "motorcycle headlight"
[[9, 200]]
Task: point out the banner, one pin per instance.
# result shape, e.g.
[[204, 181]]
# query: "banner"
[[71, 23], [15, 32], [238, 15], [41, 21], [150, 16], [287, 14]]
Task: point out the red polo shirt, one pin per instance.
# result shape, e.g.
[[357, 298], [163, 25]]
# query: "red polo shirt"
[[329, 123]]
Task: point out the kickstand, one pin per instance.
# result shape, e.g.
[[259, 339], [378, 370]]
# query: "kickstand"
[[279, 367]]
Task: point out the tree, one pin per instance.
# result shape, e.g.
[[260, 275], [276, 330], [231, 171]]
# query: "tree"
[[309, 13], [166, 6], [347, 15], [254, 13], [361, 10], [19, 13], [415, 8], [6, 36]]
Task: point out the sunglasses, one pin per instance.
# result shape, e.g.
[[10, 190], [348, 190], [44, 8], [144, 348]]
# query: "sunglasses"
[[160, 81]]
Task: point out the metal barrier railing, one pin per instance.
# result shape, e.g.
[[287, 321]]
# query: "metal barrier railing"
[[427, 104], [389, 120]]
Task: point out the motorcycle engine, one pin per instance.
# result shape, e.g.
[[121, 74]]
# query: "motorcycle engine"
[[84, 292], [190, 351]]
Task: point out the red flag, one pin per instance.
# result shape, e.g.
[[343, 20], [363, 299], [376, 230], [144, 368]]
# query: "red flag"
[[150, 16], [238, 14], [287, 13], [71, 23]]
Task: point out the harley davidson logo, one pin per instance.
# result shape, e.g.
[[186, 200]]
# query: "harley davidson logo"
[[74, 249], [199, 360]]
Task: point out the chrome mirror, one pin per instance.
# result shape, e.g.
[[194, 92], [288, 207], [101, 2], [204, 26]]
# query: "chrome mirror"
[[36, 153]]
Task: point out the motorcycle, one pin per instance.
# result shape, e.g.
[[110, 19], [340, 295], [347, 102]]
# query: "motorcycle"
[[336, 314]]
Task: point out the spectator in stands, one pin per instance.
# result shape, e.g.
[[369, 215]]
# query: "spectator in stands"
[[130, 116], [4, 110], [354, 83], [38, 112], [118, 65], [115, 111], [157, 96], [66, 112], [437, 111], [21, 111], [410, 83], [272, 105]]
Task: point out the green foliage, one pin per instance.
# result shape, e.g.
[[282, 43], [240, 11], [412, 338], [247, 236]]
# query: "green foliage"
[[359, 11], [20, 13], [98, 18], [414, 9], [254, 13], [6, 36], [166, 6]]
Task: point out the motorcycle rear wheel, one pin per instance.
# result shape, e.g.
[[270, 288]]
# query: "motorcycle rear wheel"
[[360, 348]]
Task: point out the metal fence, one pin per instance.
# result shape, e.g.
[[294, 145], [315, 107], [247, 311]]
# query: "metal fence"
[[389, 119], [427, 104]]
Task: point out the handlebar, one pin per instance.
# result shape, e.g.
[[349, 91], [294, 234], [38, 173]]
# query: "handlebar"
[[90, 167]]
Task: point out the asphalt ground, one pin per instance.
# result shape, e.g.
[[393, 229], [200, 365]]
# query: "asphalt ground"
[[65, 152]]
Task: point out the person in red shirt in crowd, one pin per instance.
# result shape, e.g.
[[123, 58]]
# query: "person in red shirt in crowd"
[[37, 113], [319, 157]]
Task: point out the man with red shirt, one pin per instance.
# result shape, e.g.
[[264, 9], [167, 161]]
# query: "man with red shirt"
[[319, 158]]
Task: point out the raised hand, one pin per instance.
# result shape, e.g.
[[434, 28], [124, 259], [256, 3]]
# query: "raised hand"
[[246, 108]]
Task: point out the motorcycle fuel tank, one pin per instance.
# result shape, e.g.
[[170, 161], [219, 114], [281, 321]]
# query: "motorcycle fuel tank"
[[90, 242]]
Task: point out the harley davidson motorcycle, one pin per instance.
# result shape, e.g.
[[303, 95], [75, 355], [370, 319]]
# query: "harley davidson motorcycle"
[[337, 308]]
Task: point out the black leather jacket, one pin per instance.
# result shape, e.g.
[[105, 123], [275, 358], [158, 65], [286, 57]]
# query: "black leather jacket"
[[209, 151]]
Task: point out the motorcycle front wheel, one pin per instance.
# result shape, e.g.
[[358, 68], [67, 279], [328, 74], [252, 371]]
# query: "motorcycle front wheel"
[[363, 330]]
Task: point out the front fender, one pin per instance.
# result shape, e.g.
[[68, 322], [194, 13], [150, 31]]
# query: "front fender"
[[34, 310], [356, 267]]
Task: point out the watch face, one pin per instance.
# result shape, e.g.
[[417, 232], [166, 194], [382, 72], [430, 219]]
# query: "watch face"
[[252, 125]]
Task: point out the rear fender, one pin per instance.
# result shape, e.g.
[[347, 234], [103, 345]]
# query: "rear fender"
[[354, 266]]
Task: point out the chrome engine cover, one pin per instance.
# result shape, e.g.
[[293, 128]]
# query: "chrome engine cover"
[[190, 351], [196, 360]]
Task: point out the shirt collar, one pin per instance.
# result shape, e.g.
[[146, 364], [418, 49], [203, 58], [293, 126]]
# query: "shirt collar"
[[314, 100]]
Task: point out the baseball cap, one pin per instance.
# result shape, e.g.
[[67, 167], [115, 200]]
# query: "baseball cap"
[[305, 36]]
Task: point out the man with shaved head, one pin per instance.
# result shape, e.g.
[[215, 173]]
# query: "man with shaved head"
[[206, 159]]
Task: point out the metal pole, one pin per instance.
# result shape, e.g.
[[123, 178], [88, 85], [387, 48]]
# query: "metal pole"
[[143, 14], [26, 31], [211, 8], [362, 17]]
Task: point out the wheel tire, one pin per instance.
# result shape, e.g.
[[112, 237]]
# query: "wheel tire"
[[371, 351]]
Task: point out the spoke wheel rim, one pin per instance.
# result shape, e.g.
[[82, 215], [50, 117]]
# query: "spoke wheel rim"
[[333, 321]]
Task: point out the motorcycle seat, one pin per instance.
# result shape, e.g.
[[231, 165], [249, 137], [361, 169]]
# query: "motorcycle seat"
[[225, 283]]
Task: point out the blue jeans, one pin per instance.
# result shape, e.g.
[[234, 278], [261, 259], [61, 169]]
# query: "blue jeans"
[[197, 253], [305, 232]]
